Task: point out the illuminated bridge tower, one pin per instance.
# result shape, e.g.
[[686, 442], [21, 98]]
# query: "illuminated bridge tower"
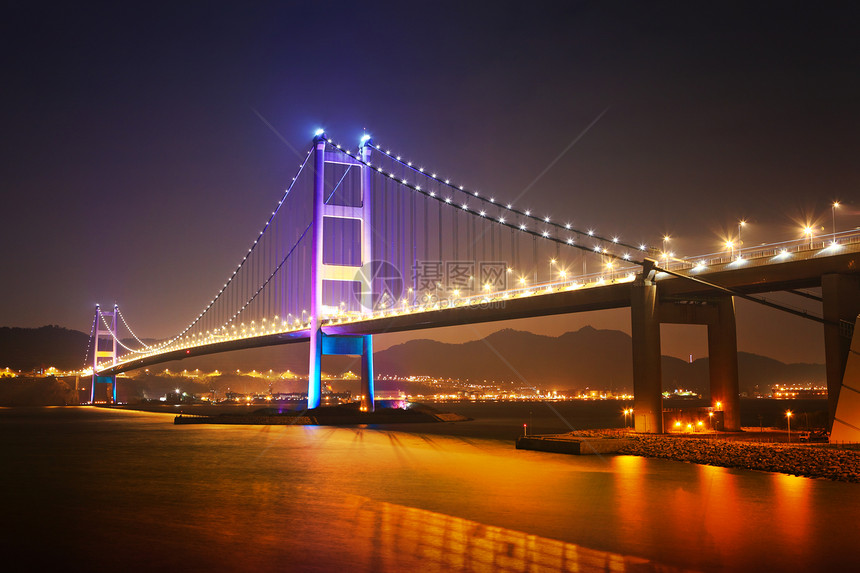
[[104, 346], [337, 270]]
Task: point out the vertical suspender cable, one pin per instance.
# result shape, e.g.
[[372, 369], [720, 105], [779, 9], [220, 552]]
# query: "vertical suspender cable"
[[456, 250], [413, 246], [440, 230], [493, 239]]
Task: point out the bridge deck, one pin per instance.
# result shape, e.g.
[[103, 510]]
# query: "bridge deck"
[[768, 273]]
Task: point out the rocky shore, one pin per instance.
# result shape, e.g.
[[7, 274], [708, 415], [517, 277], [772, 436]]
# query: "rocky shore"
[[816, 461]]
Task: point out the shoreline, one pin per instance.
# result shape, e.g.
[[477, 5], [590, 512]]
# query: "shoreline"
[[820, 461], [341, 415], [736, 450]]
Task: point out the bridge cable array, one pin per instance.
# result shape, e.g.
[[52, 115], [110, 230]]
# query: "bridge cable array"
[[270, 288], [501, 220], [645, 263]]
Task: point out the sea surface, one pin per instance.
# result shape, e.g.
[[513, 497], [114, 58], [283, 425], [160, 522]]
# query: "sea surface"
[[93, 489]]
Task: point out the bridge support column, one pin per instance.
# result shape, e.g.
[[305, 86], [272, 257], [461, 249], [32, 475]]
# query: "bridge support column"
[[718, 314], [723, 361], [352, 345], [315, 368], [367, 386], [841, 304], [647, 371], [315, 358]]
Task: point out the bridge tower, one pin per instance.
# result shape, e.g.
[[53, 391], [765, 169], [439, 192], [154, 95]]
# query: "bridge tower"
[[329, 344], [104, 333]]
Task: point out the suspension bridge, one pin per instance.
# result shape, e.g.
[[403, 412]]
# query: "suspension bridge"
[[363, 242]]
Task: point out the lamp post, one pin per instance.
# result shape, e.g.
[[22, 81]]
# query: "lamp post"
[[741, 225], [788, 417], [833, 209], [718, 406], [808, 232], [731, 247], [551, 263]]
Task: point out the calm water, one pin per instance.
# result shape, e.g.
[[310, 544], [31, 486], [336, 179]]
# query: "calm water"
[[103, 490]]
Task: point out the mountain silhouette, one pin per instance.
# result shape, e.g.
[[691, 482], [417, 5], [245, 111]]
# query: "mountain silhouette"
[[586, 358]]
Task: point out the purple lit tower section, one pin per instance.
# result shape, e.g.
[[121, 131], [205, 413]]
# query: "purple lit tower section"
[[104, 333], [346, 271]]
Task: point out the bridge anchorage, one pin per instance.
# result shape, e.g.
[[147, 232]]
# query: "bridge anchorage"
[[363, 242]]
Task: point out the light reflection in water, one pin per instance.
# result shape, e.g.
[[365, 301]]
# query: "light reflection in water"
[[399, 535], [791, 507], [723, 518], [122, 487]]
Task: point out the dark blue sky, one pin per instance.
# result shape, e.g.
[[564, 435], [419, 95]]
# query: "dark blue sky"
[[136, 166]]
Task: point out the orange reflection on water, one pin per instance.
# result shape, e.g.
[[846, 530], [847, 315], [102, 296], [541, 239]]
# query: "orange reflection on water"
[[791, 507], [699, 515], [632, 499], [717, 510], [397, 535]]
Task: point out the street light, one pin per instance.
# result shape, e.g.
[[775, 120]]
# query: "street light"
[[788, 417], [808, 232], [833, 209], [741, 225], [731, 247], [665, 253], [551, 263]]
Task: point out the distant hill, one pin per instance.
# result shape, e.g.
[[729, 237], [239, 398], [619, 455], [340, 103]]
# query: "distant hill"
[[27, 349], [587, 358]]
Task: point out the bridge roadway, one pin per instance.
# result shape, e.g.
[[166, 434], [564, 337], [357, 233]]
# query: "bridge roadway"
[[803, 269]]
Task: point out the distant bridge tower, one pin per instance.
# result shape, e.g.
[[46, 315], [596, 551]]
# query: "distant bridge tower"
[[322, 270], [103, 333]]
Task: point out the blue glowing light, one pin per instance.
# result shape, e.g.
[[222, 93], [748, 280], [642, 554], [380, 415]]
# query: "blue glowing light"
[[319, 132]]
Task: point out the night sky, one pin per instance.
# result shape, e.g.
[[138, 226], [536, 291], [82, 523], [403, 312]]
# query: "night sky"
[[144, 146]]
